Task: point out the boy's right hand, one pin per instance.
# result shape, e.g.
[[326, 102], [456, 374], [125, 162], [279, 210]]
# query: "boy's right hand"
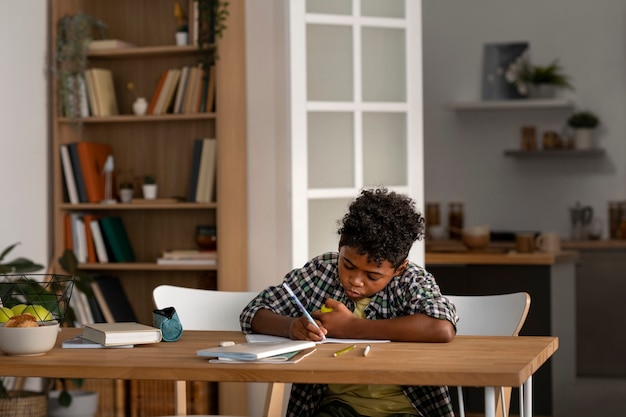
[[302, 329]]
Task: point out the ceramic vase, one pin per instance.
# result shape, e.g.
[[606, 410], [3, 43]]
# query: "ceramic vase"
[[583, 138], [182, 38], [126, 195], [140, 106]]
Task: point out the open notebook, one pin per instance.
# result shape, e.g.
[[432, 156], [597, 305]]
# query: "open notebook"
[[258, 350], [254, 338]]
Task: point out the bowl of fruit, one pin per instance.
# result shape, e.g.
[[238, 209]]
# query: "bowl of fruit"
[[31, 310]]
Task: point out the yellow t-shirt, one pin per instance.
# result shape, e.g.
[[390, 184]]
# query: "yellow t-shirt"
[[370, 400]]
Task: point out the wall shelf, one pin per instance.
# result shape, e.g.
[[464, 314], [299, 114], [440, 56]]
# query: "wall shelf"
[[521, 104], [558, 153]]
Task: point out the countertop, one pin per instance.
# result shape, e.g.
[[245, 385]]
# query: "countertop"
[[452, 252]]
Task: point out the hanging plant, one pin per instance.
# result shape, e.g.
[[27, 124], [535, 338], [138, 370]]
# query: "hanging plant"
[[212, 16], [74, 33]]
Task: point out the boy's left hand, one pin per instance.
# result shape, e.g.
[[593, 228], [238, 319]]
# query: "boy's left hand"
[[337, 321]]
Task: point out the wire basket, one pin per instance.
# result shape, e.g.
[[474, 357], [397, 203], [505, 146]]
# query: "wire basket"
[[23, 293]]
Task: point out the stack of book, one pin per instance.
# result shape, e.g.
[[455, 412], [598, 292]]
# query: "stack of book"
[[188, 257], [99, 239], [186, 90]]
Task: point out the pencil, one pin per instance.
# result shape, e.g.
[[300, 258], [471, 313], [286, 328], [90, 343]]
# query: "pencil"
[[301, 307], [344, 350]]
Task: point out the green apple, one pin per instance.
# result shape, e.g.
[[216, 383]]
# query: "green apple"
[[40, 312], [5, 314], [18, 309]]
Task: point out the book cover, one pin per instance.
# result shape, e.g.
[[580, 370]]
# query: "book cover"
[[171, 90], [206, 178], [167, 92], [98, 241], [192, 90], [78, 172], [105, 91], [180, 92], [67, 230], [79, 342], [113, 298], [68, 175], [89, 240], [78, 236], [99, 44], [92, 157], [116, 239], [256, 351], [157, 92], [195, 169], [91, 93], [121, 333], [102, 303]]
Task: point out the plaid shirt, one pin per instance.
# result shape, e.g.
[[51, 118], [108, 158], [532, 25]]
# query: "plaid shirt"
[[415, 291]]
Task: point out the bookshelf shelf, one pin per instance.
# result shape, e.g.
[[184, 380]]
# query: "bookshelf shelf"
[[131, 118], [131, 206], [144, 52], [144, 266]]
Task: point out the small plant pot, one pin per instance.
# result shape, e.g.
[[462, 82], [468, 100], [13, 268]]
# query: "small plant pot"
[[126, 195], [140, 106], [182, 38], [583, 138], [149, 191], [84, 404]]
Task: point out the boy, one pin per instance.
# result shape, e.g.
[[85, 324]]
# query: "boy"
[[374, 293]]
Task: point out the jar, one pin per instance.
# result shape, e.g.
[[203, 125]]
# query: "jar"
[[455, 220], [206, 237]]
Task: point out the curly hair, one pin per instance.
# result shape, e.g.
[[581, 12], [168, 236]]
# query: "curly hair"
[[382, 225]]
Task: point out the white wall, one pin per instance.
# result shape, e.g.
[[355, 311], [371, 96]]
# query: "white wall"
[[464, 151], [24, 164]]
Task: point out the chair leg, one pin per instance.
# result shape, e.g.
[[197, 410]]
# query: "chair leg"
[[274, 399], [181, 398], [459, 391]]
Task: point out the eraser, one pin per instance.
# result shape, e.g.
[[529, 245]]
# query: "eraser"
[[227, 343]]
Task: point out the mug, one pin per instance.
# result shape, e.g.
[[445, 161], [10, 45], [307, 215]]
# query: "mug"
[[548, 242], [525, 243]]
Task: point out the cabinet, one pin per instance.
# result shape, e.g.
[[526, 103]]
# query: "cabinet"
[[161, 145]]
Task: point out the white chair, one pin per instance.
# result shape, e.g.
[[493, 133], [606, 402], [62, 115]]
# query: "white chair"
[[200, 309], [491, 315]]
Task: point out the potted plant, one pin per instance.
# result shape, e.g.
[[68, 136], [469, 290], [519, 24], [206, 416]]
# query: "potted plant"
[[583, 123], [542, 81], [149, 187], [126, 191], [182, 28]]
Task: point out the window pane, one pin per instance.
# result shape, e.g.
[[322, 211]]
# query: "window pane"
[[330, 153], [329, 63], [384, 65], [383, 8], [324, 217], [329, 6], [384, 149]]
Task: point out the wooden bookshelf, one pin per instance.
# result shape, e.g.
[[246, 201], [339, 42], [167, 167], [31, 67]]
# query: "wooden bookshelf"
[[161, 145]]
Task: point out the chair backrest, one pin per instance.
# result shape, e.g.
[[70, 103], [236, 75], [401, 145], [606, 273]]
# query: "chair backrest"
[[491, 315], [203, 309]]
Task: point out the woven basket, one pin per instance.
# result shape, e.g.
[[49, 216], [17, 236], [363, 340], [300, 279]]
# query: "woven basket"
[[24, 404]]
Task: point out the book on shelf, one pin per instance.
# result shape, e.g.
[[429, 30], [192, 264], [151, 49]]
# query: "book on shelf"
[[186, 261], [192, 93], [112, 298], [121, 333], [92, 158], [180, 91], [79, 239], [98, 240], [189, 254], [68, 175], [99, 44], [256, 351], [79, 342], [210, 98], [116, 239], [78, 172], [157, 92], [104, 91], [206, 177], [166, 94], [67, 231], [195, 169], [89, 240], [90, 81], [83, 96]]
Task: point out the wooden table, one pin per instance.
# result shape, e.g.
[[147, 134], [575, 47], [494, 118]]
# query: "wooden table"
[[466, 361]]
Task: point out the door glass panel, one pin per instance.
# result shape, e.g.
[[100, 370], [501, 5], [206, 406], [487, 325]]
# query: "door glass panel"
[[384, 149], [329, 6], [329, 63], [384, 65], [324, 217], [382, 8], [329, 150]]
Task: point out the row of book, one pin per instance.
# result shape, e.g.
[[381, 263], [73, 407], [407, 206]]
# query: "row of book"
[[107, 302], [186, 90], [97, 239], [83, 166], [188, 257], [91, 94], [202, 179]]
